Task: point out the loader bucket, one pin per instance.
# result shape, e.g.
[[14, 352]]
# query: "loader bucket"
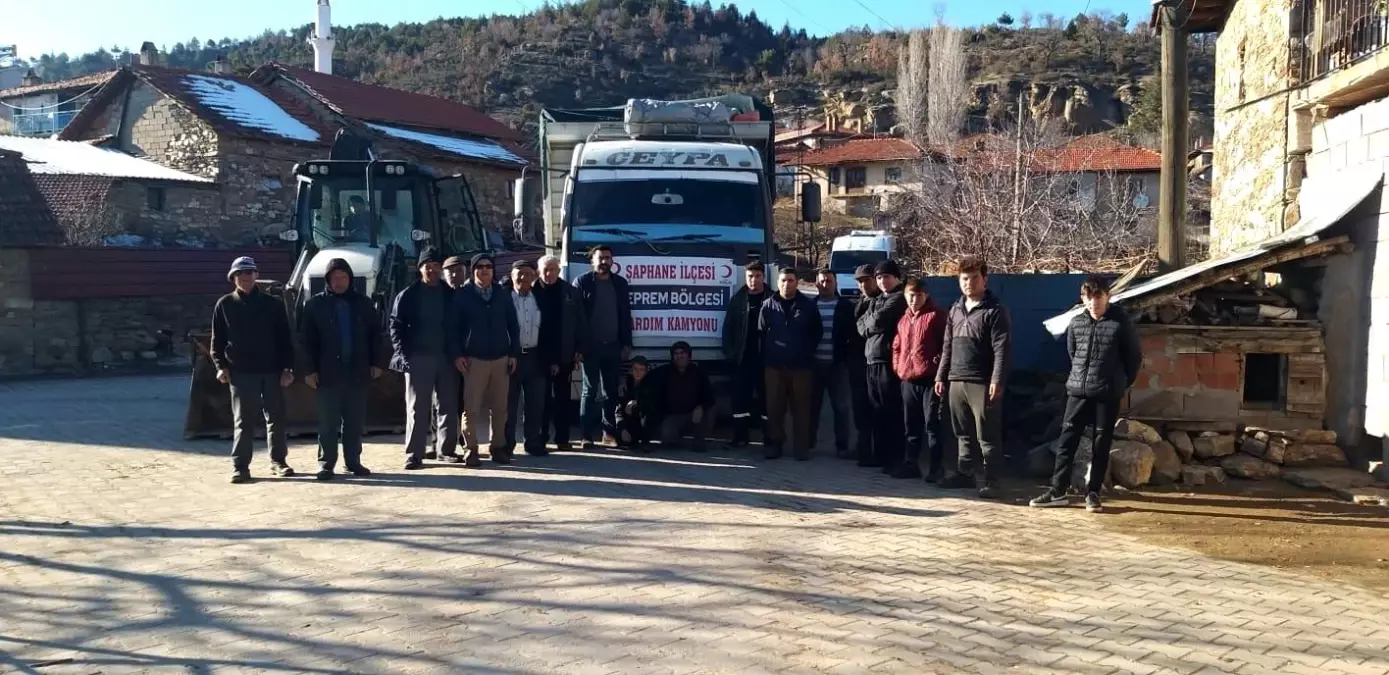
[[210, 412]]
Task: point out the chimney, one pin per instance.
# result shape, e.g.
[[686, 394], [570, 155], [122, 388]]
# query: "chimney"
[[221, 67], [322, 39], [149, 55], [30, 79]]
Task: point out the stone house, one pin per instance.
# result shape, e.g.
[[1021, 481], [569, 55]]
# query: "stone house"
[[246, 134], [855, 174], [1301, 145]]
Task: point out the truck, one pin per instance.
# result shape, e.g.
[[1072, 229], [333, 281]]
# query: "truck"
[[682, 193], [859, 247], [375, 213]]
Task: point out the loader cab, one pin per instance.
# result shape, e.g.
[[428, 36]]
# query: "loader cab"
[[382, 203]]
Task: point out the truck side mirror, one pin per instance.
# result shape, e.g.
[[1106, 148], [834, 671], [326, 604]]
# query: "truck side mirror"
[[520, 195], [810, 202], [289, 235]]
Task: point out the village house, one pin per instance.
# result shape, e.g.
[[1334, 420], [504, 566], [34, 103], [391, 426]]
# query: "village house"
[[36, 108], [1298, 160], [855, 174]]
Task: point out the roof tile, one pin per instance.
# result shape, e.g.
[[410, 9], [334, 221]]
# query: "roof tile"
[[25, 217], [91, 81], [862, 150]]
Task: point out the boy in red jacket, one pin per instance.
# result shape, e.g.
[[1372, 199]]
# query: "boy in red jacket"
[[916, 353]]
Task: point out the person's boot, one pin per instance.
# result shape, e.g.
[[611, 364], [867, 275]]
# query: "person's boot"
[[414, 464], [241, 476], [773, 451], [325, 474], [361, 471], [906, 470], [281, 469], [501, 456]]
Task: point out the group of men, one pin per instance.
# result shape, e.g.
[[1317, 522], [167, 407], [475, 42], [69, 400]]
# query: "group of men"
[[893, 360]]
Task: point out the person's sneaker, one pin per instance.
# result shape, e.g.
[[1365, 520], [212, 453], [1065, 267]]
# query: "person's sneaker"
[[453, 458], [413, 465], [360, 471], [241, 477], [281, 469], [324, 475], [1049, 499], [988, 492], [536, 451], [905, 471], [431, 454], [1092, 503], [957, 482], [563, 447]]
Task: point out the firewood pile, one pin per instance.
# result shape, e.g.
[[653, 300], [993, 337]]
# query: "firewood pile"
[[1236, 303]]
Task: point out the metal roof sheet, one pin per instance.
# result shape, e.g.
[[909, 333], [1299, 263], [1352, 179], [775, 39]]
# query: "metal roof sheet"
[[48, 156]]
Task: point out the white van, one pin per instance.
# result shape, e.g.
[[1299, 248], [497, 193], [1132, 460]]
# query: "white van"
[[859, 247]]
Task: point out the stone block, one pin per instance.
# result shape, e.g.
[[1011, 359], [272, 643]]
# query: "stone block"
[[1211, 447], [1253, 447], [1244, 466], [1380, 471], [1167, 464], [1196, 475], [1181, 442], [1134, 430], [1328, 479], [1313, 454], [1344, 128], [1131, 463]]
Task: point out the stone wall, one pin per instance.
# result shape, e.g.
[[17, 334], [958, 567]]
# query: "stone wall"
[[258, 188], [1250, 185], [162, 131], [77, 336], [191, 216]]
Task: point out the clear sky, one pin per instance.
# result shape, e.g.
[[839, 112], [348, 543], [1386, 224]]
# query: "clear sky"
[[77, 26]]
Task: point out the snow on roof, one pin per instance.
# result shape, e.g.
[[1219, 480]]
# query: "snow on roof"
[[475, 148], [47, 156], [246, 106]]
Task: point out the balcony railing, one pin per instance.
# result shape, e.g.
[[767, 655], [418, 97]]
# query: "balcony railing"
[[1332, 35], [44, 123]]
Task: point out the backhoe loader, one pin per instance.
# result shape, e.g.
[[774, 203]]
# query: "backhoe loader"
[[377, 214]]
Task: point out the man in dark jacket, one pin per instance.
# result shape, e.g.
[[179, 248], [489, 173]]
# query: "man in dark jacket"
[[561, 345], [742, 351], [608, 313], [340, 339], [972, 376], [854, 346], [878, 327], [485, 343], [254, 354], [682, 400], [1105, 359], [791, 330], [636, 407], [419, 340], [916, 355], [531, 378], [831, 368]]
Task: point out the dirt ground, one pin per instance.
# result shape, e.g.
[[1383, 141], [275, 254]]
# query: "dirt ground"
[[1270, 524]]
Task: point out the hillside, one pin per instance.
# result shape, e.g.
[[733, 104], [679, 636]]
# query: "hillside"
[[601, 52]]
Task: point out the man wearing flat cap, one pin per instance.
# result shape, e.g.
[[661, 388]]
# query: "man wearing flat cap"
[[254, 354], [484, 342], [419, 341], [878, 327], [455, 272]]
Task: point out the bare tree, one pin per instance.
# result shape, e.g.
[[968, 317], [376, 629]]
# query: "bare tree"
[[1069, 212], [913, 87], [949, 86]]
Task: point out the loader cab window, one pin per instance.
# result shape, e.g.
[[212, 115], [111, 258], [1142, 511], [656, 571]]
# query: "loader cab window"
[[339, 213]]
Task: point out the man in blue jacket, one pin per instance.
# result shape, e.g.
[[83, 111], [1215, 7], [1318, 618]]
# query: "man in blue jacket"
[[485, 343], [791, 329], [419, 319], [608, 311]]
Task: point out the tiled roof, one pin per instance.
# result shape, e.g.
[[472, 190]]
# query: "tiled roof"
[[374, 103], [859, 150], [25, 218], [72, 198], [76, 83], [70, 158], [1098, 153], [475, 148], [231, 105]]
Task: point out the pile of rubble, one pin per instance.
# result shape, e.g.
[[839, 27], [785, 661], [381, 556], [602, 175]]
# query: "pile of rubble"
[[1142, 456], [1238, 303]]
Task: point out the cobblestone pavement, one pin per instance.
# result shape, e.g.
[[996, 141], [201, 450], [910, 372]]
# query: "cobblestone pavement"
[[123, 548]]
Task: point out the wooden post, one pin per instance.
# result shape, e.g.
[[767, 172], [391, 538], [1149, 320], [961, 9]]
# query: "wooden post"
[[1172, 197]]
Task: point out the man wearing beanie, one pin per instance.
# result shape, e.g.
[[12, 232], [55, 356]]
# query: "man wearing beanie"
[[254, 354], [484, 343], [858, 365], [878, 326], [340, 339], [420, 351]]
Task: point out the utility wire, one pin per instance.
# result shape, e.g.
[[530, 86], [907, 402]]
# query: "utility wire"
[[52, 106], [807, 17]]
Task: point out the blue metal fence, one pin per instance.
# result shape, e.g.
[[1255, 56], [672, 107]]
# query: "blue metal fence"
[[1030, 299]]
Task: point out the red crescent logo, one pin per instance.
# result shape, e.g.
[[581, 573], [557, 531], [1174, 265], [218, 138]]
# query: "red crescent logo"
[[616, 266], [728, 271]]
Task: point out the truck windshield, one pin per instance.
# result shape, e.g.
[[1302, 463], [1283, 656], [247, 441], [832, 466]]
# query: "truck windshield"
[[337, 211], [848, 261], [668, 202]]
